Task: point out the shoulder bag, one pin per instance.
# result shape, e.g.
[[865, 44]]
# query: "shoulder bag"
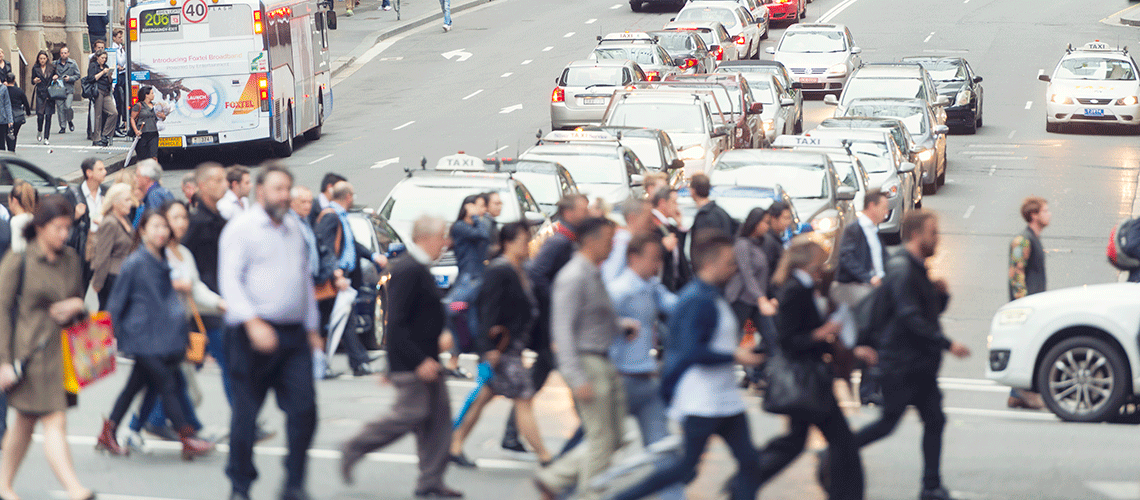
[[90, 88], [56, 91], [799, 388], [327, 290], [196, 350]]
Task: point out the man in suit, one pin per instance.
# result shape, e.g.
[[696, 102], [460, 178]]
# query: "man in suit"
[[675, 268], [415, 322], [779, 220], [862, 256], [709, 214], [340, 251]]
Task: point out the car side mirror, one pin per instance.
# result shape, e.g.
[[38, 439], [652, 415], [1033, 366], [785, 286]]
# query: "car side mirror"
[[671, 19], [330, 19], [756, 108], [1044, 78], [856, 50], [770, 50], [534, 218], [942, 101], [906, 167], [720, 131], [941, 130], [636, 180], [978, 79], [797, 85], [787, 101], [831, 99], [676, 164], [845, 193]]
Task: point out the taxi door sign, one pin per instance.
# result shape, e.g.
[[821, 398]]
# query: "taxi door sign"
[[462, 162]]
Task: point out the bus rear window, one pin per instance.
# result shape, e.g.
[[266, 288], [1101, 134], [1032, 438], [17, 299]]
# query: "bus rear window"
[[222, 21]]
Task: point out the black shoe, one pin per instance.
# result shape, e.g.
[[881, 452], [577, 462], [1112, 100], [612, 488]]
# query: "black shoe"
[[237, 495], [61, 130], [263, 434], [166, 432], [295, 494], [513, 445], [329, 374], [120, 133], [71, 126], [938, 493], [440, 492], [363, 371], [462, 461]]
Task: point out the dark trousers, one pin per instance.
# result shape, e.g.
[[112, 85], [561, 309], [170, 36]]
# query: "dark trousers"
[[105, 292], [698, 430], [13, 134], [921, 391], [217, 347], [43, 120], [289, 372], [357, 354], [158, 415], [148, 146], [159, 374], [421, 408], [845, 465]]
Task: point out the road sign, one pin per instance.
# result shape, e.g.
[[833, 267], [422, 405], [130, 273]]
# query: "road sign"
[[194, 11]]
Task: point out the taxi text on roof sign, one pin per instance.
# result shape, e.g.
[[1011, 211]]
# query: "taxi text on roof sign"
[[464, 162], [627, 36], [578, 135], [793, 141], [1097, 46]]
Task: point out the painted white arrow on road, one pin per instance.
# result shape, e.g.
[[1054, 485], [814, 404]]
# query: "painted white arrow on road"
[[458, 54], [385, 163], [509, 109]]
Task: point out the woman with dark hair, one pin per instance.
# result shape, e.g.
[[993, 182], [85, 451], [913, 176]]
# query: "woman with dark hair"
[[43, 74], [150, 326], [102, 127], [508, 311], [144, 122], [805, 338], [20, 111], [470, 237], [750, 284], [43, 286]]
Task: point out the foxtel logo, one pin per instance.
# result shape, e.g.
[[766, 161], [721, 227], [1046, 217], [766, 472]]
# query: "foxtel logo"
[[246, 104]]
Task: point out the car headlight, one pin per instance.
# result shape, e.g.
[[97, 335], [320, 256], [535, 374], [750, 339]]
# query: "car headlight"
[[692, 152], [963, 98], [1061, 99], [837, 69], [768, 124], [926, 155], [891, 189], [739, 132], [1126, 101], [1013, 316], [824, 224]]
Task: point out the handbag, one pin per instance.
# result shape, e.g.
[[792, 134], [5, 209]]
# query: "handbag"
[[56, 91], [196, 350], [89, 88], [88, 351], [327, 290], [798, 388]]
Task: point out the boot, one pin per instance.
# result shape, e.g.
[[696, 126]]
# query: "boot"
[[107, 441], [191, 445]]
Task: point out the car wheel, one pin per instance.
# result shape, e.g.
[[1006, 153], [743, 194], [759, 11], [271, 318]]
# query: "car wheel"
[[1053, 127], [971, 128], [1083, 379], [285, 149], [931, 188], [635, 6], [979, 124]]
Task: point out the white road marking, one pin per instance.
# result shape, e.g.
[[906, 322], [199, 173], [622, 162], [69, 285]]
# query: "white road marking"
[[1011, 132], [998, 158], [325, 157], [827, 16], [548, 49], [81, 148], [404, 125], [1040, 72], [993, 146], [62, 495], [1116, 490], [993, 168], [510, 109], [459, 54], [978, 412], [492, 153], [1028, 104], [528, 61], [947, 51], [969, 212], [506, 74], [616, 6], [568, 35], [928, 37], [473, 94], [967, 1], [592, 21], [385, 163]]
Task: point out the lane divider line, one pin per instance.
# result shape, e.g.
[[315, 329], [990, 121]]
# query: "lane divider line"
[[928, 37], [548, 49], [404, 125], [1028, 104], [325, 157], [592, 21], [473, 94], [969, 211], [835, 11], [528, 61], [568, 35]]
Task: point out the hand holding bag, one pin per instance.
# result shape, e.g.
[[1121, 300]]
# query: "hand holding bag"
[[88, 351], [56, 91], [799, 388]]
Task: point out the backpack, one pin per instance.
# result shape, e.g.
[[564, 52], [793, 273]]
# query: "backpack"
[[1123, 243], [90, 88], [872, 314]]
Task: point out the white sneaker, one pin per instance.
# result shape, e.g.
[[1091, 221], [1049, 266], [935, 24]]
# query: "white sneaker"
[[136, 444], [47, 142], [446, 28], [387, 7]]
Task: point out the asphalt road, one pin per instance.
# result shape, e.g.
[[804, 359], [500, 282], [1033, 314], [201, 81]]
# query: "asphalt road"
[[404, 99]]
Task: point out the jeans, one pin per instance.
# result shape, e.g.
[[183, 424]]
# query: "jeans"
[[900, 391], [159, 375], [216, 346], [446, 6], [698, 430], [645, 404], [845, 465], [64, 110]]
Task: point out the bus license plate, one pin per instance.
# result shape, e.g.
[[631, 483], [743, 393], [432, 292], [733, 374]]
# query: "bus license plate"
[[203, 139], [1094, 112], [809, 80], [593, 101], [170, 142]]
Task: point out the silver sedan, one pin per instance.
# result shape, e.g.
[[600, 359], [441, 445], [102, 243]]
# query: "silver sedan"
[[584, 89]]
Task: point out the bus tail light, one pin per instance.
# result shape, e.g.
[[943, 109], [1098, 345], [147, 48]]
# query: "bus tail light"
[[133, 24], [263, 91], [559, 95], [258, 27]]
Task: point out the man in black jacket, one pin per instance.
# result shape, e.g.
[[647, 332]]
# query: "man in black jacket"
[[415, 322], [779, 219], [910, 348], [676, 270], [709, 214]]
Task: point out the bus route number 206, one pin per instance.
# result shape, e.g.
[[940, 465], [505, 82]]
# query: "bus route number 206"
[[158, 21]]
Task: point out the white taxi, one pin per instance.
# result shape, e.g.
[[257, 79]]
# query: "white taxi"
[[639, 47], [1094, 84]]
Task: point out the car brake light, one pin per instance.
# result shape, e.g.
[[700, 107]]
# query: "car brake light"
[[740, 40], [559, 95], [652, 75], [690, 63], [719, 53], [257, 25]]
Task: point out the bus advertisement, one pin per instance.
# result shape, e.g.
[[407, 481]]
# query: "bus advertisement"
[[233, 72]]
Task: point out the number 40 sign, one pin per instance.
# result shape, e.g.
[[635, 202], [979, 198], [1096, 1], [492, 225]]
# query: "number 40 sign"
[[194, 11]]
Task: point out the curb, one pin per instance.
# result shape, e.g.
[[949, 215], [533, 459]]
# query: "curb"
[[113, 164], [1127, 21], [379, 36]]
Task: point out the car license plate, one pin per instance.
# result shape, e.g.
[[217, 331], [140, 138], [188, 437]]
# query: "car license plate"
[[203, 139], [809, 80], [442, 280], [1094, 112], [170, 142], [593, 101]]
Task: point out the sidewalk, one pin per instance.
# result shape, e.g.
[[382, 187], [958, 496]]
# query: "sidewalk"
[[354, 36]]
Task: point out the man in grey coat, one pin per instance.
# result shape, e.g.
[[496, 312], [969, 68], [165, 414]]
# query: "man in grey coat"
[[68, 72]]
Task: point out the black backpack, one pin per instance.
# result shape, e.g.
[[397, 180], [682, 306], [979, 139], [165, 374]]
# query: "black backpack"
[[872, 314], [90, 88]]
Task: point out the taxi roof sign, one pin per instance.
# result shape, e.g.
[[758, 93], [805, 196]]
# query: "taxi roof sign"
[[579, 136], [803, 141], [627, 36], [461, 162]]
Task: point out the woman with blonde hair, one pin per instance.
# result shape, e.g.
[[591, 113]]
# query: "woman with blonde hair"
[[22, 204], [112, 241]]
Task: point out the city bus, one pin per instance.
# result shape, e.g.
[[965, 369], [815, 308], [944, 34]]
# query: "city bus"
[[233, 71]]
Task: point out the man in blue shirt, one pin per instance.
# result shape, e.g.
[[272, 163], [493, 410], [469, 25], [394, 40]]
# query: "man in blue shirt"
[[147, 175]]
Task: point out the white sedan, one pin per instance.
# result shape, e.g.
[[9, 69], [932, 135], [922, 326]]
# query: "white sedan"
[[1076, 346]]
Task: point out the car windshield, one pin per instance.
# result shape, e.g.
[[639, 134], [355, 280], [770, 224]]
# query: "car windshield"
[[722, 15], [847, 170], [586, 167], [762, 91], [647, 149], [945, 71], [672, 118], [728, 99], [709, 37], [799, 180], [1095, 68], [409, 202], [908, 88], [593, 75], [675, 41], [874, 155], [640, 54], [911, 116], [813, 41], [543, 187]]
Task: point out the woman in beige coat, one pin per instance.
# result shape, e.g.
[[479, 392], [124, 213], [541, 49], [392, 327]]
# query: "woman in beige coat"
[[113, 242], [48, 273]]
